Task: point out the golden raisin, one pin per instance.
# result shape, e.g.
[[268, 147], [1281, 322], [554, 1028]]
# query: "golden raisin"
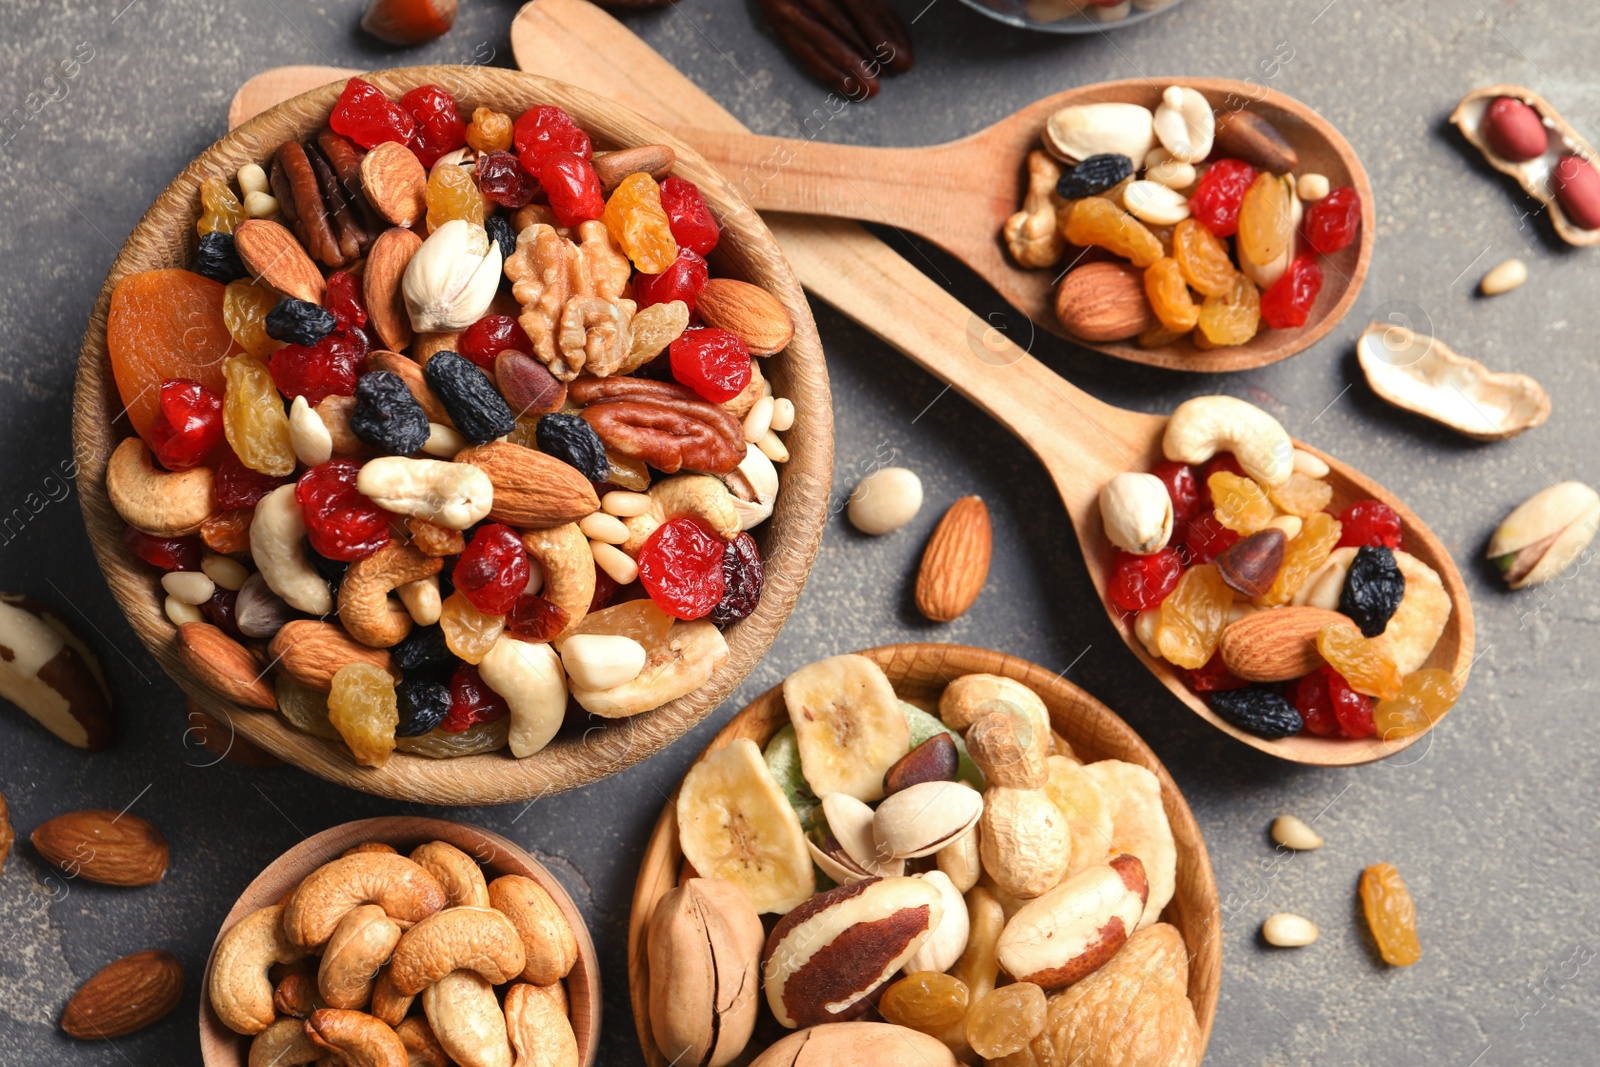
[[927, 1001], [1266, 226], [1391, 914], [253, 417], [244, 312], [1006, 1020], [452, 194], [489, 130], [1424, 696], [1157, 336], [1310, 549], [362, 707], [1242, 505], [1366, 668], [1193, 616], [468, 632], [431, 539], [1301, 495], [1169, 296], [1234, 317], [1097, 221], [227, 531], [1203, 258], [220, 210], [639, 619], [639, 224]]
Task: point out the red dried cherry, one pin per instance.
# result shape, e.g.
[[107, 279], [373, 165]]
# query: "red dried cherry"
[[345, 301], [1214, 677], [692, 225], [363, 114], [1309, 694], [712, 362], [1217, 198], [1206, 539], [1369, 522], [439, 125], [1352, 709], [683, 280], [1332, 222], [1288, 302], [490, 336], [471, 701], [233, 485], [1140, 582], [493, 571], [168, 553], [1182, 488], [340, 523], [681, 567], [328, 368], [533, 618], [605, 588], [187, 426], [541, 132], [502, 179], [573, 188]]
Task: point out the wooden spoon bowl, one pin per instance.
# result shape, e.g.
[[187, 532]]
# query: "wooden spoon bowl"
[[919, 673], [165, 237], [221, 1047]]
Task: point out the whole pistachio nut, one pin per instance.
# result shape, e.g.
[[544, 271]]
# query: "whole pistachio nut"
[[1545, 534], [920, 820], [1137, 512]]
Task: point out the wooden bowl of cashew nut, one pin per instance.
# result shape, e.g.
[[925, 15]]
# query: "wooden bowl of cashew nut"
[[467, 922], [584, 752]]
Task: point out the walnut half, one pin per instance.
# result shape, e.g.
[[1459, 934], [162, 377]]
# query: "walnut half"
[[548, 271]]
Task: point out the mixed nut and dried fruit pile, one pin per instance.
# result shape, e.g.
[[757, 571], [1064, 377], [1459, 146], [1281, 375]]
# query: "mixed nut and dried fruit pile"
[[1141, 206], [1287, 616], [340, 965], [961, 875], [449, 422]]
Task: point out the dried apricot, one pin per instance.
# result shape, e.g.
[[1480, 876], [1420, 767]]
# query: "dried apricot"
[[1203, 258], [1306, 554], [1391, 914], [926, 1000], [165, 324], [1097, 221], [1193, 617], [1242, 505], [1424, 696], [1169, 296], [1234, 317], [1361, 662]]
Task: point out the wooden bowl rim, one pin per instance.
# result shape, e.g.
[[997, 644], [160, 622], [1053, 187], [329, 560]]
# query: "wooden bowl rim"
[[221, 1047], [792, 536], [1069, 704]]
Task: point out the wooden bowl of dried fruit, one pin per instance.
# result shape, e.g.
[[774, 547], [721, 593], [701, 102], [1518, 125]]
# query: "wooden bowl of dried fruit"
[[778, 807], [388, 477], [453, 866]]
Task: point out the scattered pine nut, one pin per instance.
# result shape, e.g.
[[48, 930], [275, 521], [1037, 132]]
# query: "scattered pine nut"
[[1504, 278], [1288, 931], [1291, 832]]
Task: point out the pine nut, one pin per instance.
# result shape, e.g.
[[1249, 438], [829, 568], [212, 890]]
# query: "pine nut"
[[623, 504], [782, 413], [188, 587], [421, 599], [1312, 187], [602, 527], [615, 562], [1288, 931], [260, 205], [1290, 832], [252, 179], [1306, 463], [443, 441], [759, 421], [228, 573], [1289, 524], [179, 612], [772, 447], [1504, 278]]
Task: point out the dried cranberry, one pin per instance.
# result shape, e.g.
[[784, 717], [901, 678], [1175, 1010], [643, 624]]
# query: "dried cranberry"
[[341, 523], [1332, 222], [471, 701], [1369, 522], [692, 225], [363, 114], [328, 368], [493, 571], [1182, 488], [605, 589], [681, 567], [712, 362], [345, 300], [168, 553], [502, 179], [1352, 709], [573, 187], [187, 426], [233, 485], [1213, 677], [533, 618], [1206, 539], [439, 125], [220, 610], [1310, 696], [682, 280], [742, 576], [1216, 200], [490, 336], [1288, 302], [541, 132], [1140, 582]]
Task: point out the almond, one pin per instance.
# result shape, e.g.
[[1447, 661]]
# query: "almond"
[[653, 159], [273, 256], [1277, 644], [396, 183], [532, 490], [1104, 302], [112, 848], [224, 666], [749, 311], [1247, 136], [956, 562], [410, 372], [311, 652], [386, 264], [123, 996]]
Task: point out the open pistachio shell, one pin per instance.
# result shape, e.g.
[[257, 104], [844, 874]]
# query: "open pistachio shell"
[[1421, 374], [1546, 533]]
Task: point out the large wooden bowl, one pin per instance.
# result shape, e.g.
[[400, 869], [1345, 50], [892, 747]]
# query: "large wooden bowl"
[[221, 1047], [165, 237], [919, 673]]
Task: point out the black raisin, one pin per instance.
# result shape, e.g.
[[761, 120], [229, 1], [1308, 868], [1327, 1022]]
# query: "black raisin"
[[331, 570], [1258, 709], [424, 652], [1373, 589], [217, 258], [570, 439], [423, 702], [387, 416], [501, 233], [742, 576], [478, 410], [299, 322], [1094, 175]]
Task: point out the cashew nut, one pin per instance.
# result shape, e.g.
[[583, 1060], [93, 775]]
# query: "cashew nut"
[[277, 544], [405, 891], [153, 501], [539, 1028], [474, 939], [359, 946], [283, 1044], [458, 872], [422, 1048], [562, 552], [296, 994], [698, 495], [529, 678], [388, 1003], [357, 1038], [1206, 425], [754, 485], [548, 942], [364, 605], [1032, 234], [456, 495], [465, 1016], [240, 990]]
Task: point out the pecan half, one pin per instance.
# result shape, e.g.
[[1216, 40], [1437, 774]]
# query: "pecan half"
[[294, 183], [345, 156], [352, 236], [666, 425], [845, 44]]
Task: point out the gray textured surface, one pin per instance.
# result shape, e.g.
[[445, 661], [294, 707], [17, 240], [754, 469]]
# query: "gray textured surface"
[[1492, 824]]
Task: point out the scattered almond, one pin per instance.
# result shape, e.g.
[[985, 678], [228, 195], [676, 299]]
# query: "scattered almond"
[[386, 265], [1277, 645], [749, 311], [125, 995], [112, 848], [955, 565], [396, 183], [273, 256], [224, 666]]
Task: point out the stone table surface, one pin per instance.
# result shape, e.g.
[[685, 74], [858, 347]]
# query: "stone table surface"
[[1492, 823]]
